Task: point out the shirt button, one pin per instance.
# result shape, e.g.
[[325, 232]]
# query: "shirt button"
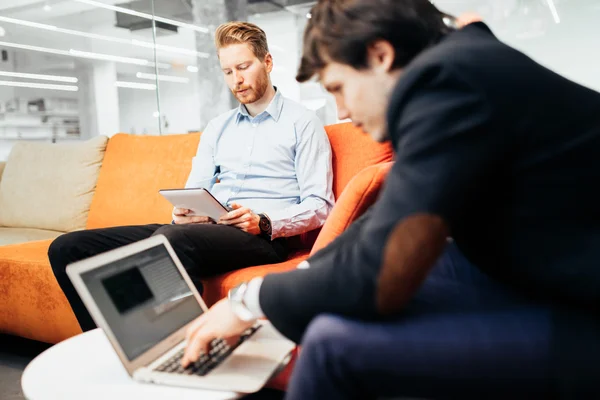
[[254, 125]]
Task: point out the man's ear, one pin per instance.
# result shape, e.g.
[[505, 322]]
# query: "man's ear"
[[269, 62], [380, 56]]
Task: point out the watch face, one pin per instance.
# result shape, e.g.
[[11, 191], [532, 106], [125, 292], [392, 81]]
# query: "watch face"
[[264, 224]]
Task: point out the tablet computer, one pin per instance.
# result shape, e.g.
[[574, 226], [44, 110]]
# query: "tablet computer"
[[198, 200]]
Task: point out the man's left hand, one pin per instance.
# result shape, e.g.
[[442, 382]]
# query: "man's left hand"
[[242, 218], [219, 322]]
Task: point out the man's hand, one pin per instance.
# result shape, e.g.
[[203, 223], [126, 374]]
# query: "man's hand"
[[217, 323], [242, 218], [181, 217]]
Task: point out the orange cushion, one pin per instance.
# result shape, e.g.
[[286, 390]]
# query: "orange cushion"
[[31, 302], [353, 150], [134, 169], [217, 288], [360, 194]]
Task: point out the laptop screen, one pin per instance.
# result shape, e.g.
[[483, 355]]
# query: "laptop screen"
[[143, 298]]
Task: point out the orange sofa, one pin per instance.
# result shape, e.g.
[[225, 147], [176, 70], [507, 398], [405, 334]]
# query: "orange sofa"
[[134, 168]]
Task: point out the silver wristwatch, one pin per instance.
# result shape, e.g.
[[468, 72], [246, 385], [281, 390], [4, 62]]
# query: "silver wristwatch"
[[236, 301]]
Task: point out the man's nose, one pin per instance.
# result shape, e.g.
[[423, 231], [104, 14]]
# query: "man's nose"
[[343, 112], [239, 78]]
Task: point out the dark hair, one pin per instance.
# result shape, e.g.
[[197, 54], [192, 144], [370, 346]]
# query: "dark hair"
[[342, 30]]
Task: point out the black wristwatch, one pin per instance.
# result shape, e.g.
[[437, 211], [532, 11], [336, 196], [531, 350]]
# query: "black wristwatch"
[[265, 226]]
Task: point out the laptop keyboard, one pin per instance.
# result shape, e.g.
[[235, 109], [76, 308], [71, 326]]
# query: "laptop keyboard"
[[219, 350]]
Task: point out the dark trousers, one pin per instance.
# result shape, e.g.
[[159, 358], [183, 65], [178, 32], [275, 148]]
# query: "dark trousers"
[[205, 250], [462, 336]]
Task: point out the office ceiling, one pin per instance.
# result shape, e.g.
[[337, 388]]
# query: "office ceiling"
[[512, 20]]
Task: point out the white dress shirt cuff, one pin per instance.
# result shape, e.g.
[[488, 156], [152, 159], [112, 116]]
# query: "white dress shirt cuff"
[[303, 265], [251, 297]]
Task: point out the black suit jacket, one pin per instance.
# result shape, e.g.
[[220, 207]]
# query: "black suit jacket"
[[506, 151]]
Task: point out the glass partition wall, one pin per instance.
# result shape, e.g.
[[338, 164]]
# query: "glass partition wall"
[[74, 69]]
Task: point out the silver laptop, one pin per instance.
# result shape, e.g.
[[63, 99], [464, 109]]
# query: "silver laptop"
[[144, 300]]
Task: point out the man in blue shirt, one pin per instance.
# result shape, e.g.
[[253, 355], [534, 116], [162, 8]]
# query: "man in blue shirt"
[[269, 160]]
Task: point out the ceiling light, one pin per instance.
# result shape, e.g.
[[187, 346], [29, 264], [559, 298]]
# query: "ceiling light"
[[133, 42], [35, 48], [166, 78], [2, 31], [56, 78], [68, 88], [85, 54], [28, 23], [170, 48], [160, 65], [144, 15], [192, 68], [47, 7], [308, 15], [553, 11], [108, 57], [135, 85]]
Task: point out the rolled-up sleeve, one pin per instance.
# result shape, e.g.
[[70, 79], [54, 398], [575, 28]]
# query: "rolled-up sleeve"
[[315, 179]]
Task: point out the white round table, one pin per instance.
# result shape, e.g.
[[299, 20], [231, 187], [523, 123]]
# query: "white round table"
[[86, 367]]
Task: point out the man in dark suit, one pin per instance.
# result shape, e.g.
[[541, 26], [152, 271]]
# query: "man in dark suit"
[[494, 151]]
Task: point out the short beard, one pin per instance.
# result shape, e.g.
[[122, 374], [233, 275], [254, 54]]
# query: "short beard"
[[255, 93]]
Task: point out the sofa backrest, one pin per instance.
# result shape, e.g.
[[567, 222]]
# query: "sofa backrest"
[[353, 151], [50, 186], [134, 169]]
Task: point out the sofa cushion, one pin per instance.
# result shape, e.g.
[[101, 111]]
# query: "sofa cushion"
[[135, 168], [360, 193], [50, 186], [20, 235], [31, 302]]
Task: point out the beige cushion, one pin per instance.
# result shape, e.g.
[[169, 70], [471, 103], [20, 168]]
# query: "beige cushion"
[[50, 186], [20, 235]]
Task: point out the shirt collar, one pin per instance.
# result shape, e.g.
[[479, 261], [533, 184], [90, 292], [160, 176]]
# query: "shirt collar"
[[273, 109]]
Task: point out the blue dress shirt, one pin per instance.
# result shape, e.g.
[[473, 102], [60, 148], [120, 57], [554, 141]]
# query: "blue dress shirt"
[[277, 163]]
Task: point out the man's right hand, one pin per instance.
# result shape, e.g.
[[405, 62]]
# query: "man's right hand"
[[181, 217]]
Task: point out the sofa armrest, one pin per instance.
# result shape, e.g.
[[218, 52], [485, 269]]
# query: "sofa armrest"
[[2, 165], [360, 193]]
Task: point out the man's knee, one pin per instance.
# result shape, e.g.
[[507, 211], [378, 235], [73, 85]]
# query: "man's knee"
[[173, 233], [329, 337], [62, 249]]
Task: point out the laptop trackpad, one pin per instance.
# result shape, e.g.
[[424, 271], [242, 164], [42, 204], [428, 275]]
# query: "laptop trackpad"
[[251, 364]]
